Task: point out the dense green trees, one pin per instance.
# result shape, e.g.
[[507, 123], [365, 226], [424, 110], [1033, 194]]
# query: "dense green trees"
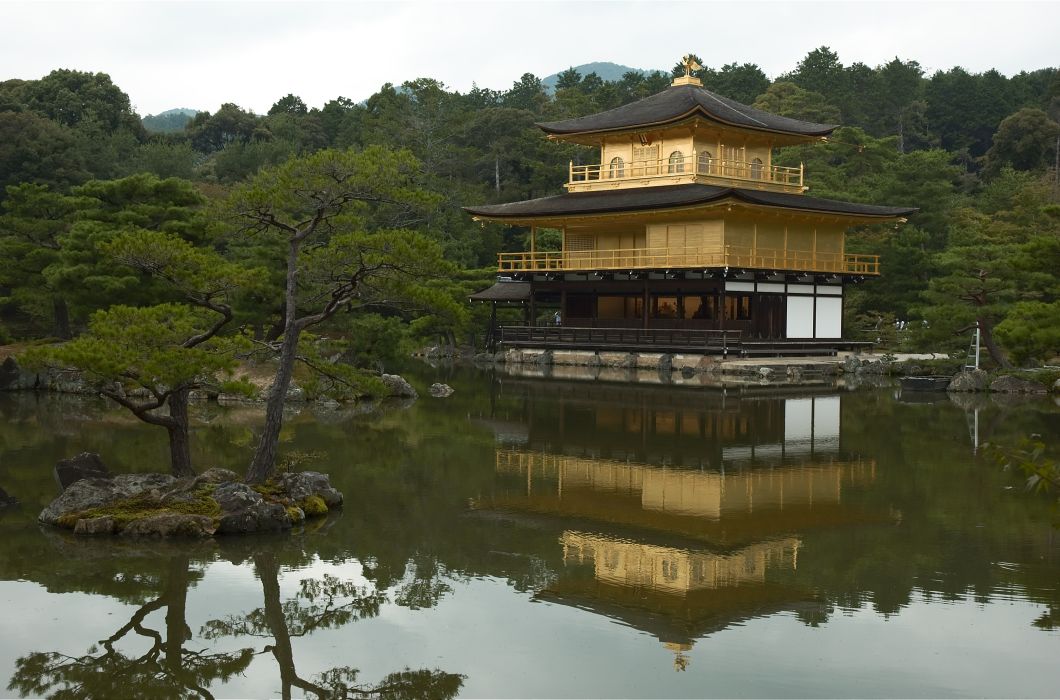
[[940, 142]]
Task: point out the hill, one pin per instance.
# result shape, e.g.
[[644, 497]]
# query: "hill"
[[170, 120], [605, 69]]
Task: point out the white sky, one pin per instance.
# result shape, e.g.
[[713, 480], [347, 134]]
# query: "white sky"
[[201, 54]]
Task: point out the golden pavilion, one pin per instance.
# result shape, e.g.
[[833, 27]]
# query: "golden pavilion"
[[685, 234]]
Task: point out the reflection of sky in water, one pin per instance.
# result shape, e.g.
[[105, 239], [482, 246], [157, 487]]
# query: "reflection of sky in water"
[[532, 650]]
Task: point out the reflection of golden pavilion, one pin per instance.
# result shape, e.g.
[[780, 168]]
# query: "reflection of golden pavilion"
[[675, 570], [724, 507], [680, 514], [673, 592], [686, 492]]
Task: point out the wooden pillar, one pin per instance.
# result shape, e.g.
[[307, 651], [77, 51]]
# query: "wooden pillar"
[[721, 306], [563, 306], [491, 345], [533, 307], [646, 311]]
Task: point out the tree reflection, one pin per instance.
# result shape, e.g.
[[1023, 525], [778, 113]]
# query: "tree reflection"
[[165, 670], [324, 603]]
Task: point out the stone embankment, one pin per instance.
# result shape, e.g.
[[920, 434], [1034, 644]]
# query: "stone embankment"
[[215, 502], [696, 369]]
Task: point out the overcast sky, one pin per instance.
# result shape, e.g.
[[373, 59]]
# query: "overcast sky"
[[201, 54]]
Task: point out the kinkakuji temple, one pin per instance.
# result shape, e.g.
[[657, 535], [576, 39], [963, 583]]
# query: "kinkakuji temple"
[[685, 236]]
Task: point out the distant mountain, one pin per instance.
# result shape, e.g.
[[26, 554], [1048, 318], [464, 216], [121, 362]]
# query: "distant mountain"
[[169, 121], [607, 71]]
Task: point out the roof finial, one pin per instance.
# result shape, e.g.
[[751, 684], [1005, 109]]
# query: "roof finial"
[[691, 64]]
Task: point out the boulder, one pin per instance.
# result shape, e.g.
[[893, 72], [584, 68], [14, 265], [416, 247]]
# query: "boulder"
[[1015, 385], [301, 485], [14, 378], [874, 367], [765, 372], [440, 391], [95, 526], [245, 510], [617, 360], [295, 394], [7, 500], [969, 380], [215, 475], [851, 364], [94, 492], [84, 465], [1056, 387], [397, 386], [167, 525], [538, 357], [67, 382]]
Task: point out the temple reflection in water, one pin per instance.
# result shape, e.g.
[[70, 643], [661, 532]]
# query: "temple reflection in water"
[[679, 513]]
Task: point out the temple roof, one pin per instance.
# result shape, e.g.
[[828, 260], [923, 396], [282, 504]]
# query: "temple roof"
[[673, 196], [680, 102], [504, 291]]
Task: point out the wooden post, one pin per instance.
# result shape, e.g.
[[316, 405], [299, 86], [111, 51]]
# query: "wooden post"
[[491, 344], [645, 311]]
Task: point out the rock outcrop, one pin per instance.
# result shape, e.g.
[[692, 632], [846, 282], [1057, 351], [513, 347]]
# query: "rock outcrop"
[[969, 380], [83, 466], [7, 500], [398, 387], [440, 391], [1015, 385], [214, 502]]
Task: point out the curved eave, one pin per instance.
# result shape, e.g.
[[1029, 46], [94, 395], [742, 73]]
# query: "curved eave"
[[578, 206], [697, 111], [680, 103]]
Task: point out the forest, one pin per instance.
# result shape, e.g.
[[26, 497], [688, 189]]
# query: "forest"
[[83, 183]]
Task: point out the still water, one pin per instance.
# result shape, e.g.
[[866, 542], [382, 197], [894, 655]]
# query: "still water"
[[557, 538]]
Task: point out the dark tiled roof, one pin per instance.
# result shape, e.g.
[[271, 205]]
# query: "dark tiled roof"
[[504, 291], [679, 102], [670, 196]]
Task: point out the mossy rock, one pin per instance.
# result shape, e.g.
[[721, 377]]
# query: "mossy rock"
[[126, 510], [314, 506]]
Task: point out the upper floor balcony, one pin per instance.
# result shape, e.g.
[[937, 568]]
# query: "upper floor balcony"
[[689, 258], [679, 169]]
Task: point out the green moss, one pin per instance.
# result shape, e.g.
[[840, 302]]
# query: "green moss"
[[269, 488], [296, 514], [314, 506], [68, 521], [127, 510]]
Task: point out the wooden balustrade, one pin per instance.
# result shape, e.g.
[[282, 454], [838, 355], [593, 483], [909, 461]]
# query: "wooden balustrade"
[[745, 171], [688, 258], [651, 339]]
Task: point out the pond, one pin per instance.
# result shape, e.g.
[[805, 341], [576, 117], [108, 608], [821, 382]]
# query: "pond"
[[558, 538]]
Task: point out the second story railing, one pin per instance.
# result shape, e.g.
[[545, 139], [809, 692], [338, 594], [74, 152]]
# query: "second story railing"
[[689, 258], [754, 171]]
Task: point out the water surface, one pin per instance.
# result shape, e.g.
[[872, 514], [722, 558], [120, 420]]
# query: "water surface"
[[558, 538]]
